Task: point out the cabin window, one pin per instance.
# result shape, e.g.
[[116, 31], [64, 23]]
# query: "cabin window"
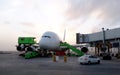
[[46, 36]]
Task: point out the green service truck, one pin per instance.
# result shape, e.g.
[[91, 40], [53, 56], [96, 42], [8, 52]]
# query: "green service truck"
[[27, 45], [25, 42]]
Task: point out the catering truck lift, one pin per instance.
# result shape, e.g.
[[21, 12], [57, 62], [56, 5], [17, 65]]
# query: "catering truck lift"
[[28, 47]]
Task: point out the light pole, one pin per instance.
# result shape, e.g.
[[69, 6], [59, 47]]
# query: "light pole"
[[106, 57], [104, 46], [103, 35]]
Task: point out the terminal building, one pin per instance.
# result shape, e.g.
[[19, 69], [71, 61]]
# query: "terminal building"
[[106, 40]]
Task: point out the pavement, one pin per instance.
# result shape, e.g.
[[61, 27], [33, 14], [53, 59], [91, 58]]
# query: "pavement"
[[12, 64]]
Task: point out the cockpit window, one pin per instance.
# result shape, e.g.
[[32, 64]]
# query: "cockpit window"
[[46, 36]]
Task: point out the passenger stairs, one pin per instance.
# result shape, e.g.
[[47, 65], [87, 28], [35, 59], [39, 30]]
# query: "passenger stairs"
[[65, 44]]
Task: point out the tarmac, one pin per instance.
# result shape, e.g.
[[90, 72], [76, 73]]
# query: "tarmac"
[[12, 64]]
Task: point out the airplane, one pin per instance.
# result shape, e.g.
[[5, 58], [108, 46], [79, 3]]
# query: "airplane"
[[51, 42]]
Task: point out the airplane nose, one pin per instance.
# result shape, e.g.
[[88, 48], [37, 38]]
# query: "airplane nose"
[[44, 44]]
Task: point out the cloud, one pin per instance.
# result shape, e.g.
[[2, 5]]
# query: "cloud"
[[27, 24], [106, 12], [7, 22]]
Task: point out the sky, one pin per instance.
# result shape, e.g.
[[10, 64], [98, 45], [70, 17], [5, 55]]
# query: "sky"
[[34, 17]]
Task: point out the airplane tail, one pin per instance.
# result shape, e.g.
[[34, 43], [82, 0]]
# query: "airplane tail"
[[64, 35]]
